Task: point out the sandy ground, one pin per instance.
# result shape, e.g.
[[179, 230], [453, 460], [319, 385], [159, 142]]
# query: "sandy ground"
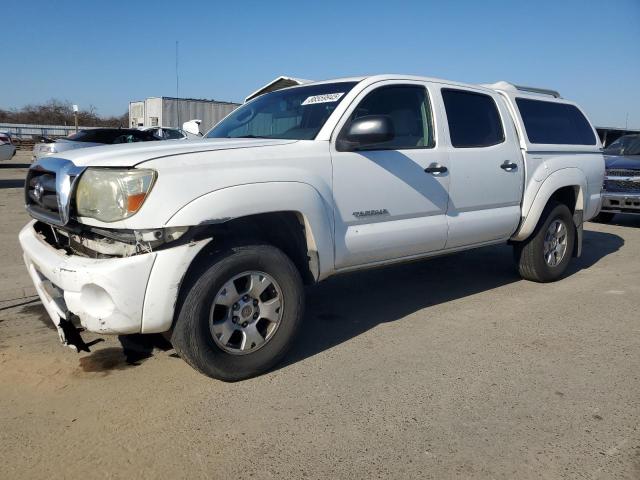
[[449, 368]]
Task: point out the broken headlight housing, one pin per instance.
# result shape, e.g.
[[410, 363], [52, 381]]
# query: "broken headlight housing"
[[110, 195]]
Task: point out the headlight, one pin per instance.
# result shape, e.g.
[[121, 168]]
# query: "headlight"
[[110, 195]]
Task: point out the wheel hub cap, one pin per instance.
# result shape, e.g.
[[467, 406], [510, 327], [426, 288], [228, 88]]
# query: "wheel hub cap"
[[246, 312], [555, 243]]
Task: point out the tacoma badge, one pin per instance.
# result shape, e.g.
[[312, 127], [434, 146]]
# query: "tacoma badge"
[[371, 213]]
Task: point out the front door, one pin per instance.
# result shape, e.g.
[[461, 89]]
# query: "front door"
[[386, 205]]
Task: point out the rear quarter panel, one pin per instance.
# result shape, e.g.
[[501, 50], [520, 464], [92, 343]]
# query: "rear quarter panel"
[[549, 167], [554, 171]]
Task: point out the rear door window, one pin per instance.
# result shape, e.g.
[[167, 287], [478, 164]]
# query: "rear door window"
[[554, 123], [473, 119]]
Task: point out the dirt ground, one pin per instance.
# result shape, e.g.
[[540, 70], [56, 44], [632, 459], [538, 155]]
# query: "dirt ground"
[[449, 368]]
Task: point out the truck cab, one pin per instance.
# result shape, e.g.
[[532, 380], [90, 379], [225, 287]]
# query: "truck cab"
[[212, 241]]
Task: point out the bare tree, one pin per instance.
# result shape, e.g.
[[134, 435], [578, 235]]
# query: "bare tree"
[[58, 112]]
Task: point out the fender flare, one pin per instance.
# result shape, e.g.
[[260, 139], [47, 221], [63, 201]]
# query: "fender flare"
[[239, 201], [566, 177]]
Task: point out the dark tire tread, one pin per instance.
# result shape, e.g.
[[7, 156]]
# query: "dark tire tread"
[[190, 336], [529, 255]]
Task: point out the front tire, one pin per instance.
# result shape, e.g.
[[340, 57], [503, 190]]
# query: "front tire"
[[241, 315], [546, 254]]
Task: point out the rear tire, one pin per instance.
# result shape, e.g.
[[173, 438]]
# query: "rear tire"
[[545, 255], [603, 217], [222, 300]]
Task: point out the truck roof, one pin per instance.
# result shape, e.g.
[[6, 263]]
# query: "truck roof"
[[509, 91], [501, 86]]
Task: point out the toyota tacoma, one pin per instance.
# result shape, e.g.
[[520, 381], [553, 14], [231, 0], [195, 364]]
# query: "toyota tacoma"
[[212, 241]]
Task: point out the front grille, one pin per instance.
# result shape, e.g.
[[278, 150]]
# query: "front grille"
[[622, 186], [41, 195], [49, 189], [619, 180]]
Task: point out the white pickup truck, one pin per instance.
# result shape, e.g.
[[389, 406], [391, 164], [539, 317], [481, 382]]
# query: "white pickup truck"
[[211, 241]]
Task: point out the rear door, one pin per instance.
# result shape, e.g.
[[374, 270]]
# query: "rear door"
[[386, 205], [486, 167]]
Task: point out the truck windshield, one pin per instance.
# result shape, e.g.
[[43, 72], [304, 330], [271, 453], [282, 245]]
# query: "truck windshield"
[[296, 113]]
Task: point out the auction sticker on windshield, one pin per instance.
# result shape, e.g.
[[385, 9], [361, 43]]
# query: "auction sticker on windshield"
[[326, 98]]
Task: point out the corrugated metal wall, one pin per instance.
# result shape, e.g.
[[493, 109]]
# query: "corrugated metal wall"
[[177, 111]]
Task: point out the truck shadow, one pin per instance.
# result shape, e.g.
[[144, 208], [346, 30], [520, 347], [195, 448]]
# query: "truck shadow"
[[134, 350], [626, 220], [346, 306]]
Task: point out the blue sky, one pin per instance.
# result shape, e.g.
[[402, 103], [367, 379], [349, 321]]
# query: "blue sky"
[[108, 53]]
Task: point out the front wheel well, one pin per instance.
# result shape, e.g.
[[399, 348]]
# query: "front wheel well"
[[286, 231]]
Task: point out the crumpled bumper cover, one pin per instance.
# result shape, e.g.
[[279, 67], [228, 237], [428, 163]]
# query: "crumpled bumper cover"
[[106, 295]]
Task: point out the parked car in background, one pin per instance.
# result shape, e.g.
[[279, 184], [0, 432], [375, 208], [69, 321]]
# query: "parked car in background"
[[92, 138], [166, 133], [622, 180], [7, 148]]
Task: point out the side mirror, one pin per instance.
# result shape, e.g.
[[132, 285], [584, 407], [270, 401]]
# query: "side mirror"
[[366, 132]]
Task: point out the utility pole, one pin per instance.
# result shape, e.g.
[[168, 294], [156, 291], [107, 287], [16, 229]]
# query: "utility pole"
[[177, 82], [177, 88], [75, 116]]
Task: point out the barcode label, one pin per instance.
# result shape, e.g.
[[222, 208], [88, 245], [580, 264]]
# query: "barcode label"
[[326, 98]]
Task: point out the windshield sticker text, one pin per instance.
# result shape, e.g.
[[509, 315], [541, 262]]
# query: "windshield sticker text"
[[326, 98]]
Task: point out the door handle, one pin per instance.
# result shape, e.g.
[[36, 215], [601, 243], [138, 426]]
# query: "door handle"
[[436, 168], [509, 166]]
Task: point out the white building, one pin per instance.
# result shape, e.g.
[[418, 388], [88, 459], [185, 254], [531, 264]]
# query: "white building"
[[173, 112]]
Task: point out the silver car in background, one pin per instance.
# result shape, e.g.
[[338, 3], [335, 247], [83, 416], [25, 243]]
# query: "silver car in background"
[[92, 138], [7, 148]]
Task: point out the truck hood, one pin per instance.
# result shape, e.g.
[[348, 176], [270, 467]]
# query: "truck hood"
[[131, 154], [628, 162]]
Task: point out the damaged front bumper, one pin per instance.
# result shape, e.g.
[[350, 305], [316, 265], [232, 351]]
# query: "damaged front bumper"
[[106, 295]]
